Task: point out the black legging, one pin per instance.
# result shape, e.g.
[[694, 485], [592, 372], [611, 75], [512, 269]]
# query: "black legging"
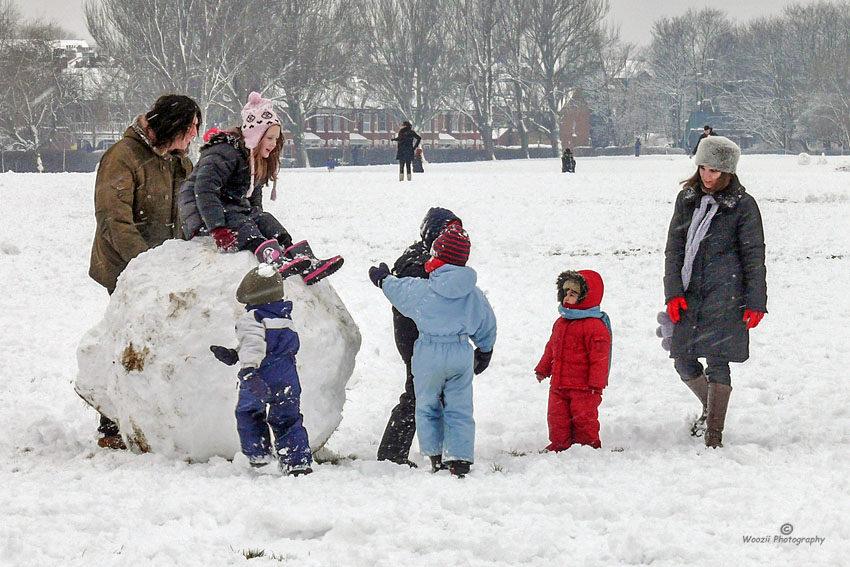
[[402, 163]]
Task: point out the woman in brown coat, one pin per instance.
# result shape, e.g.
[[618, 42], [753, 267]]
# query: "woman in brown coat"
[[135, 197]]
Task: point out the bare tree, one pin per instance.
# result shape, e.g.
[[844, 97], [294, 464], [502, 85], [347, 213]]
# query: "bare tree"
[[33, 87], [194, 47], [609, 90], [474, 25], [406, 56], [311, 54], [685, 55], [565, 36], [515, 79]]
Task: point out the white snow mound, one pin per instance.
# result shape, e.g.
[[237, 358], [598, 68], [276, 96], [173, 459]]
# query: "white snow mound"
[[147, 364], [804, 159]]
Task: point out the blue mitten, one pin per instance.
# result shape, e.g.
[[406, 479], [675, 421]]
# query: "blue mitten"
[[250, 378], [665, 330]]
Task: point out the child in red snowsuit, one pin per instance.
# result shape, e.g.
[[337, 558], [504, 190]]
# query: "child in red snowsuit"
[[577, 357]]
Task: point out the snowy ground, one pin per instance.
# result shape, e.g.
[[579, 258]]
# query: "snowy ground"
[[651, 495]]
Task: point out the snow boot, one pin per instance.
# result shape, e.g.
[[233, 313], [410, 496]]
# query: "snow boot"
[[437, 463], [699, 386], [270, 252], [315, 270], [401, 176], [718, 402], [299, 471], [410, 177], [459, 468]]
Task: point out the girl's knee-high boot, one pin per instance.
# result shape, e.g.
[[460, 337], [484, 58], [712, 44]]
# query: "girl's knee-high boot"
[[699, 386], [718, 402]]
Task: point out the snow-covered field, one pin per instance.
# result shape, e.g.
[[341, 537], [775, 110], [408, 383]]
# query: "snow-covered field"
[[651, 495]]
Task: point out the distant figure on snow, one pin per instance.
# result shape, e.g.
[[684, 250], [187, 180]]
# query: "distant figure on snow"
[[417, 161], [330, 164], [637, 147], [568, 161], [408, 141], [706, 132]]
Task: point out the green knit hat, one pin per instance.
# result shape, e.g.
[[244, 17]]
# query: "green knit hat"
[[261, 285]]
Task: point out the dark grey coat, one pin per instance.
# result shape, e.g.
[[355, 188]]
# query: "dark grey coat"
[[215, 193], [728, 275]]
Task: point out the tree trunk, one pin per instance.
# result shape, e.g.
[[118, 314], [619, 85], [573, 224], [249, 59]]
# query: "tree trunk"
[[296, 127], [520, 121]]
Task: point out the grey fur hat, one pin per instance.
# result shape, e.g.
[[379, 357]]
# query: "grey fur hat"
[[718, 152], [261, 285]]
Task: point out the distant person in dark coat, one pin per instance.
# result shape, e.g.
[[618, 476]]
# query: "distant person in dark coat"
[[637, 147], [706, 132], [417, 161], [408, 141], [398, 435], [568, 162], [714, 279]]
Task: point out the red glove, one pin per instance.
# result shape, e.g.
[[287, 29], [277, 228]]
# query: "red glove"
[[752, 318], [673, 307], [224, 238]]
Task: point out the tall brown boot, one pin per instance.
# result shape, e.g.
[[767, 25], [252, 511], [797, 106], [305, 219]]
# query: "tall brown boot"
[[718, 402], [699, 386]]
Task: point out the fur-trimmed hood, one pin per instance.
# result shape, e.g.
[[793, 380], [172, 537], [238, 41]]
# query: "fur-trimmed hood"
[[227, 137], [728, 198]]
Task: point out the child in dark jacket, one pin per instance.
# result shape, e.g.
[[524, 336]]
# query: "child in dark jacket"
[[269, 390], [450, 311], [223, 196], [578, 358]]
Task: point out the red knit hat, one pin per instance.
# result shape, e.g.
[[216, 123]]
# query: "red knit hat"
[[452, 246]]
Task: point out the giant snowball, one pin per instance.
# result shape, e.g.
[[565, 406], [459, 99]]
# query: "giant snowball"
[[147, 364]]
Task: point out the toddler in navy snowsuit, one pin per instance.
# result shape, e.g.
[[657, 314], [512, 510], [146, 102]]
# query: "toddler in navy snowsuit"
[[269, 390], [449, 311]]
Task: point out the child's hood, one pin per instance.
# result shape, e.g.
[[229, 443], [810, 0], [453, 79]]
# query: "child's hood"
[[595, 290], [281, 308], [453, 281]]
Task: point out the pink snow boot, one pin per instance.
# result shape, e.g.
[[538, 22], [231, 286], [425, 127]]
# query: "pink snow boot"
[[271, 252], [317, 269]]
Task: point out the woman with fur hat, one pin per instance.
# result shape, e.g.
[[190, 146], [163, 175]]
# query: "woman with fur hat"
[[577, 357], [224, 195], [714, 279]]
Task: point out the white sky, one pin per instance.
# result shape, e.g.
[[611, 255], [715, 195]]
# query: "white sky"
[[634, 17]]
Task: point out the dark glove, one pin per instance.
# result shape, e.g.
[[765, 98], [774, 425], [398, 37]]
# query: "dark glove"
[[673, 307], [250, 378], [378, 273], [482, 361], [224, 238], [229, 356]]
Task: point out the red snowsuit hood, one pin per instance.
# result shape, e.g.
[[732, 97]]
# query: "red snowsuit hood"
[[595, 291]]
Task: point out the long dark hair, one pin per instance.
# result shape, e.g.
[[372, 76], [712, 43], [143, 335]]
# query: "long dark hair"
[[695, 181], [171, 117]]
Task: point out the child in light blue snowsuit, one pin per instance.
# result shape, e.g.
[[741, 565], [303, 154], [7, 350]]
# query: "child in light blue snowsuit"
[[448, 310], [269, 390]]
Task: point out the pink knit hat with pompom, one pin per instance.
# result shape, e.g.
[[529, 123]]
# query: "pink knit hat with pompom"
[[257, 116]]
